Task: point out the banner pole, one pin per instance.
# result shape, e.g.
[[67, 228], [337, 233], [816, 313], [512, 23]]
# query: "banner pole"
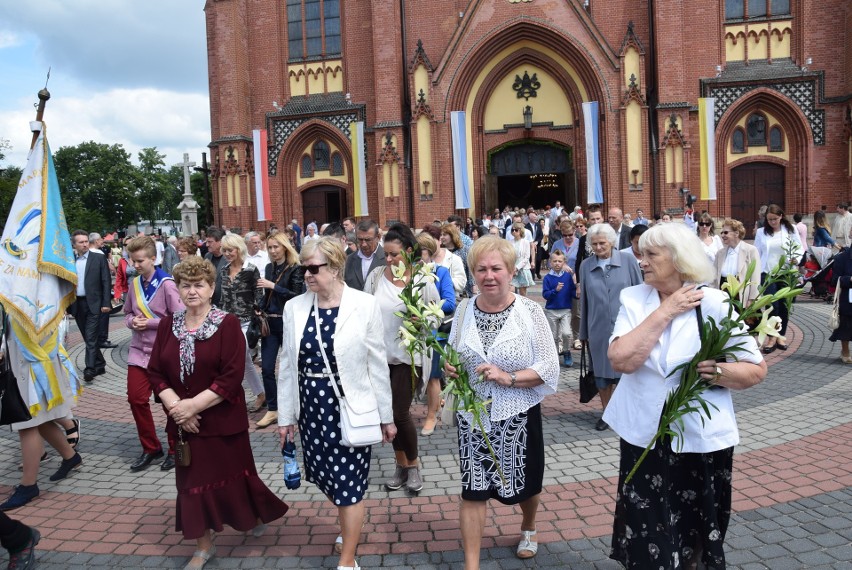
[[43, 96]]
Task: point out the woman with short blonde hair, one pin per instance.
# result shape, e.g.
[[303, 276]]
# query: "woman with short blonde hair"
[[240, 294]]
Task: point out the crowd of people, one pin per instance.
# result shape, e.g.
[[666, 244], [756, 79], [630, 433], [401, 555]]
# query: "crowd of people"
[[308, 322]]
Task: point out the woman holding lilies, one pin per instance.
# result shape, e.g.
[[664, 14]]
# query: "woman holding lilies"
[[386, 283], [674, 511], [777, 240], [508, 353]]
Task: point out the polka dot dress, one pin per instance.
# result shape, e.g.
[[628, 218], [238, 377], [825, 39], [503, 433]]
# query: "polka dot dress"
[[339, 472]]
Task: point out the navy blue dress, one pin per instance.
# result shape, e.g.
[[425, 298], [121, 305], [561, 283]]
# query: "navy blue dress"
[[339, 472]]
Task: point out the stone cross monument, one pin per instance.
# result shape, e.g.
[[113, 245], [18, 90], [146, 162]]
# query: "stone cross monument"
[[188, 206]]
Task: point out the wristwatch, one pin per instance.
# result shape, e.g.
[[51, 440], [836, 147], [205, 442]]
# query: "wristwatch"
[[513, 377]]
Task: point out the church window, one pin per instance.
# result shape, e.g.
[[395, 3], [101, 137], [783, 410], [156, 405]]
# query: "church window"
[[307, 167], [756, 130], [738, 9], [336, 164], [313, 28], [776, 139], [738, 141], [321, 155]]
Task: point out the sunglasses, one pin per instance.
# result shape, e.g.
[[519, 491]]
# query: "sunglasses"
[[725, 232], [314, 269], [705, 224]]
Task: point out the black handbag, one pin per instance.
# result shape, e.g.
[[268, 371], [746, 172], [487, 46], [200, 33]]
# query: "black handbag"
[[588, 388], [13, 409], [256, 328]]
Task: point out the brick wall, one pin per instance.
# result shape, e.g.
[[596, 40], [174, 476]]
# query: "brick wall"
[[247, 51]]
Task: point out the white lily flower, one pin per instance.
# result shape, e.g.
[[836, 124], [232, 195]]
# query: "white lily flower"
[[732, 285], [768, 326], [406, 338], [398, 270]]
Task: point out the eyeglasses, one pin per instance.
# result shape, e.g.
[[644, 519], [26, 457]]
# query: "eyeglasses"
[[724, 232], [568, 235], [515, 230], [314, 269], [705, 224]]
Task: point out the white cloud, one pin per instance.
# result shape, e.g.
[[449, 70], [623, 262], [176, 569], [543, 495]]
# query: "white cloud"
[[8, 39], [173, 122], [117, 43]]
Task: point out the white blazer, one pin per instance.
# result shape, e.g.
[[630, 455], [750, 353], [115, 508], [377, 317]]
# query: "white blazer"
[[358, 347], [635, 408]]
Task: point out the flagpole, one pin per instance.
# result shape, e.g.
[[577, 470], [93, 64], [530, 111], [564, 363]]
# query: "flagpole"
[[43, 96]]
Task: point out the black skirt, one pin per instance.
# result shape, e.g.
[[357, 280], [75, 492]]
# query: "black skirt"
[[518, 443], [844, 331], [675, 510]]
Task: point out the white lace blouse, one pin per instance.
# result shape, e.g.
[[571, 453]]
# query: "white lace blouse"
[[523, 342]]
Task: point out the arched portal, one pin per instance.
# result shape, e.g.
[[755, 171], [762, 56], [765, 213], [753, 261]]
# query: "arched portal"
[[530, 172]]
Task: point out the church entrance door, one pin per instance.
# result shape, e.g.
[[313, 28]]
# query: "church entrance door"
[[323, 204], [533, 173], [753, 185]]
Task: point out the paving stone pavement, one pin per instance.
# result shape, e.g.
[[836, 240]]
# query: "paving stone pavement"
[[792, 484]]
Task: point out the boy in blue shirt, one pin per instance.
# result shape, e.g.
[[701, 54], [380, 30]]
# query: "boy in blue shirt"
[[558, 290]]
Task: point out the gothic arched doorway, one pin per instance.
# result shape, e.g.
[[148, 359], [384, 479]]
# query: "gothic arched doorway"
[[323, 204], [753, 185], [532, 173]]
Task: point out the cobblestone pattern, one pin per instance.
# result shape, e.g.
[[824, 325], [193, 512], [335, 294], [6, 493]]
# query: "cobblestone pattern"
[[792, 484]]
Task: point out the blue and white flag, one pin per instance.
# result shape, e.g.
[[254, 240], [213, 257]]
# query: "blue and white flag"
[[591, 120], [460, 177], [38, 277]]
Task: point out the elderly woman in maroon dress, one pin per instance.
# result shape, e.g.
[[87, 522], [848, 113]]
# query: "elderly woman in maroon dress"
[[196, 368]]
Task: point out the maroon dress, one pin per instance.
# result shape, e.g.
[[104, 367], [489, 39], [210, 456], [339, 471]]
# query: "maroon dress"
[[221, 485]]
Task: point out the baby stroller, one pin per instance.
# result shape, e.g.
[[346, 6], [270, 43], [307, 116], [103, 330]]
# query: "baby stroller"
[[816, 270]]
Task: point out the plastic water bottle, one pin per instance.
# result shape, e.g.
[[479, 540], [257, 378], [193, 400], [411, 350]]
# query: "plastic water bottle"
[[292, 475]]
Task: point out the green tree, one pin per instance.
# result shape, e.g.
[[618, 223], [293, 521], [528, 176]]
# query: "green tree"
[[156, 189], [9, 179], [99, 186], [4, 145]]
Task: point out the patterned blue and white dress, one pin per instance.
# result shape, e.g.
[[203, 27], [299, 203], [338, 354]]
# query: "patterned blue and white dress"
[[339, 472]]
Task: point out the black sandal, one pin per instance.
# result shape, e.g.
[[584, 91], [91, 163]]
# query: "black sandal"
[[73, 434]]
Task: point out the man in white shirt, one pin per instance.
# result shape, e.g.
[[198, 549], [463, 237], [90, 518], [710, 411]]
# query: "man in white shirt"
[[96, 242], [256, 256], [842, 225], [158, 242]]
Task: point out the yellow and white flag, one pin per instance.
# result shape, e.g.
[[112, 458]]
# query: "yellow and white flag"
[[707, 147], [38, 277]]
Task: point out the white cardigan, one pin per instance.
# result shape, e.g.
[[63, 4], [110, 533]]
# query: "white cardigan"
[[635, 408], [358, 347], [525, 341]]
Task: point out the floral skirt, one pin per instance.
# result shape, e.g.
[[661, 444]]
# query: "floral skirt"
[[674, 513]]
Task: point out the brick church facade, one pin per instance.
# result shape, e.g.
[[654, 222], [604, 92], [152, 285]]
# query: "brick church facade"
[[305, 70]]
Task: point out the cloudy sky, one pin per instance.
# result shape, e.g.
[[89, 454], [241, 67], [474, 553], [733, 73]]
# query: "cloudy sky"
[[122, 72]]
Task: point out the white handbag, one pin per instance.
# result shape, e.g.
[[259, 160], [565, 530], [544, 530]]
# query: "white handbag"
[[356, 429], [834, 318]]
